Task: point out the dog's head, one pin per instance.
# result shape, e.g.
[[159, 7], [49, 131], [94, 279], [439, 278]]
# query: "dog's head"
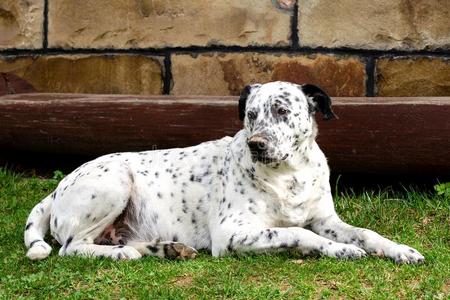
[[279, 116]]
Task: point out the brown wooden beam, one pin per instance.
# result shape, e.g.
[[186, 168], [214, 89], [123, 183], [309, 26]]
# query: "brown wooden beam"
[[372, 135]]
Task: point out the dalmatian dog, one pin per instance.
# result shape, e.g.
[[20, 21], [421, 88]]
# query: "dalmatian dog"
[[265, 189]]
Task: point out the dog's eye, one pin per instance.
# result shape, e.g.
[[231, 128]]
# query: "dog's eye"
[[251, 115], [282, 111]]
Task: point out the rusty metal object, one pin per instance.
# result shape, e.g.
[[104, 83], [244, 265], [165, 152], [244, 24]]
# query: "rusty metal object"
[[13, 84], [284, 4]]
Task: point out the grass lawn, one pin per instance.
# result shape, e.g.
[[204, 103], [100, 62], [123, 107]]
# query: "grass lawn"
[[418, 219]]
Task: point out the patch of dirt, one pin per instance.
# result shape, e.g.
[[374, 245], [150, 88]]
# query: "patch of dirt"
[[298, 261], [284, 286], [446, 289], [421, 228], [253, 279], [427, 220], [183, 280], [331, 284]]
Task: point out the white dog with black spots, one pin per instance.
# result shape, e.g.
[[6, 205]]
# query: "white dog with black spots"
[[265, 189]]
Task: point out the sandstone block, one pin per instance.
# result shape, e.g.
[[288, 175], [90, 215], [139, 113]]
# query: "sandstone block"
[[116, 74], [423, 76], [375, 24], [21, 24], [166, 23], [227, 74]]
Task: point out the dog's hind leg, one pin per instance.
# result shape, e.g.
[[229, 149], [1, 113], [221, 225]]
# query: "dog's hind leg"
[[36, 228], [81, 248], [89, 205], [132, 250]]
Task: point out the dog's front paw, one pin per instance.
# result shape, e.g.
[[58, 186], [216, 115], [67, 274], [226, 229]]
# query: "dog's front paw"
[[344, 251], [403, 254]]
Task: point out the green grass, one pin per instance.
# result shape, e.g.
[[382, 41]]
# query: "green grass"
[[418, 219]]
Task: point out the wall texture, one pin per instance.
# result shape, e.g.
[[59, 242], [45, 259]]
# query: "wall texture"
[[216, 47]]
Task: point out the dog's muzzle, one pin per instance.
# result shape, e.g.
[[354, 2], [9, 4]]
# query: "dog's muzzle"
[[258, 145]]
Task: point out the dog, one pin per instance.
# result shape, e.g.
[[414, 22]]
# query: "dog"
[[265, 189]]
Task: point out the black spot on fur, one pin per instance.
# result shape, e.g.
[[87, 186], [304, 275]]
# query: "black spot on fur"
[[34, 242], [195, 178], [68, 241], [28, 225], [230, 243], [152, 249]]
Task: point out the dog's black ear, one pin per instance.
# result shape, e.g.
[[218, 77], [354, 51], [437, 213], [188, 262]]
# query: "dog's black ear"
[[243, 99], [319, 100]]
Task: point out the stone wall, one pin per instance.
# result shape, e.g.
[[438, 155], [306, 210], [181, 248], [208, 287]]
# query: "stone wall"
[[215, 47]]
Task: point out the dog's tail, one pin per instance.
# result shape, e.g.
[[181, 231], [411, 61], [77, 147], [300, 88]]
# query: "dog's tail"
[[37, 226]]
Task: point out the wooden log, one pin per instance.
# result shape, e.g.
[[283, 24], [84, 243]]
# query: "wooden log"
[[372, 135]]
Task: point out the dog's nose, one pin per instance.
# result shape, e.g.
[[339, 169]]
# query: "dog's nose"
[[257, 144]]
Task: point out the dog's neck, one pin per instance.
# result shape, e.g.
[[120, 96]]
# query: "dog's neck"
[[282, 183]]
